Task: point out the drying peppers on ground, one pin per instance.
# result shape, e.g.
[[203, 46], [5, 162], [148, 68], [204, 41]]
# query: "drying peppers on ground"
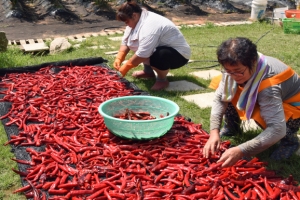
[[129, 114], [81, 159]]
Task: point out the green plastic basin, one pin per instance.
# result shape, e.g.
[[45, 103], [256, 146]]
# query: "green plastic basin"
[[139, 129]]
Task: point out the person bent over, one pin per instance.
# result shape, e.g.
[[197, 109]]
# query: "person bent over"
[[259, 87], [155, 41]]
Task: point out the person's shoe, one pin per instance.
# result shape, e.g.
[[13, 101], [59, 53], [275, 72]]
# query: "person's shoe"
[[142, 74], [160, 85], [229, 132], [287, 146], [226, 132]]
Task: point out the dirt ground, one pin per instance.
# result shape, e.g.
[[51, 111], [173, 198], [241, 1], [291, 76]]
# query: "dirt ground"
[[60, 25]]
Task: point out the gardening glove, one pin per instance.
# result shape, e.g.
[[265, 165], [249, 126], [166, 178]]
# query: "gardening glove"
[[119, 59], [126, 67]]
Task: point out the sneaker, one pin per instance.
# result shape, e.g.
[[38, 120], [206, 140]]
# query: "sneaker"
[[227, 132], [287, 146], [160, 85], [142, 74]]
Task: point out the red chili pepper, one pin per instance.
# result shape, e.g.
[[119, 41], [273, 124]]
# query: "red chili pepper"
[[236, 182], [186, 178], [47, 185], [262, 193], [23, 189], [231, 196], [57, 192], [199, 195], [159, 166], [248, 194], [19, 172], [160, 176], [202, 188]]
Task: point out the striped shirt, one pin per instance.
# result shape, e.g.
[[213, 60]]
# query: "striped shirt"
[[151, 31]]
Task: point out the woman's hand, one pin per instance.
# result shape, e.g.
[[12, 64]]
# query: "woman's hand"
[[213, 143], [119, 59], [231, 156], [117, 64]]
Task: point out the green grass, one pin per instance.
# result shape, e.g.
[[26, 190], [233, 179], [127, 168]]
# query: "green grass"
[[204, 41]]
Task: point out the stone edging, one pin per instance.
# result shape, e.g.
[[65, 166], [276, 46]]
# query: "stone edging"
[[112, 32]]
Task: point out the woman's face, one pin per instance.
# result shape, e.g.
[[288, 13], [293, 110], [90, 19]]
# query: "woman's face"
[[133, 20], [240, 73]]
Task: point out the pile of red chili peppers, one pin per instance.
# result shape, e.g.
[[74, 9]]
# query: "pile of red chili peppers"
[[129, 114], [83, 160]]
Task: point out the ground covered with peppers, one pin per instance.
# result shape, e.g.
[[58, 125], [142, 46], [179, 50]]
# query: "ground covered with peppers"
[[68, 153]]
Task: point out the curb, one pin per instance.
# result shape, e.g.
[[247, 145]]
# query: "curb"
[[112, 32]]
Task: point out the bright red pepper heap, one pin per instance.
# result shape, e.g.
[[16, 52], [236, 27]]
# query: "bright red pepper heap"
[[135, 115], [83, 160]]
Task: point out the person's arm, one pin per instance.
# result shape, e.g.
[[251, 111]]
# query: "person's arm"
[[217, 112], [271, 110], [146, 47], [218, 108], [133, 62], [123, 51]]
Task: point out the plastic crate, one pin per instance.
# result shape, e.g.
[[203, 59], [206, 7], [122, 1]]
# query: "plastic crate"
[[291, 25]]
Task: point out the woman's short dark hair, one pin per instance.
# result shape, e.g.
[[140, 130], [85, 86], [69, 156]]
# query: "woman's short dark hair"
[[237, 50], [127, 9]]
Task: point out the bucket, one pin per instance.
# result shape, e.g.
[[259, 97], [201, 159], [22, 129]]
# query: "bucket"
[[279, 13], [260, 2], [258, 11]]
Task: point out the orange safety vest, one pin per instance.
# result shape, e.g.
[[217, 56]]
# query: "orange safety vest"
[[290, 111]]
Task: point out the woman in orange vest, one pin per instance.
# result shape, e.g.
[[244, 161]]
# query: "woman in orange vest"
[[259, 87]]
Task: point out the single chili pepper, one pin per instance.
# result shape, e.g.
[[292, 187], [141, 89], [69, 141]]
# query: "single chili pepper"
[[276, 193], [160, 176], [25, 162], [36, 195], [248, 194], [237, 182], [268, 187], [12, 141], [171, 180], [186, 178], [239, 192], [202, 188], [55, 183], [199, 195], [39, 173], [231, 196], [288, 187], [19, 172], [47, 185], [159, 166], [246, 187], [67, 185], [23, 189], [57, 192], [262, 193]]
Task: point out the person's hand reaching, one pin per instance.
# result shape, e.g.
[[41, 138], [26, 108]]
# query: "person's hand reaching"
[[119, 59], [231, 156], [213, 144]]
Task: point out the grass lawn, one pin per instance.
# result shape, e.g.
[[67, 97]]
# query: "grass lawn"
[[269, 38]]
